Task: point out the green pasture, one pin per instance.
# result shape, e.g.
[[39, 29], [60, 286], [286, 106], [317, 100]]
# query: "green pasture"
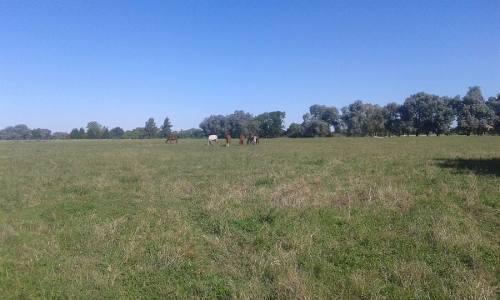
[[312, 218]]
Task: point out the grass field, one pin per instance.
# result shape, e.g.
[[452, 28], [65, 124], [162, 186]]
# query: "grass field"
[[289, 218]]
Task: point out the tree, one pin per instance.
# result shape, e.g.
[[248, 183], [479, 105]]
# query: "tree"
[[406, 120], [18, 132], [428, 113], [373, 121], [75, 134], [150, 129], [314, 127], [417, 112], [138, 133], [270, 124], [392, 117], [494, 105], [215, 124], [362, 119], [105, 133], [116, 133], [352, 117], [328, 114], [41, 134], [94, 130], [295, 130], [239, 123], [60, 135], [454, 104], [474, 116], [443, 115], [82, 133], [166, 128]]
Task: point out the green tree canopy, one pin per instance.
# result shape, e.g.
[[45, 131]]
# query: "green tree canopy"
[[474, 115], [150, 129], [166, 128], [94, 130], [116, 133], [270, 124]]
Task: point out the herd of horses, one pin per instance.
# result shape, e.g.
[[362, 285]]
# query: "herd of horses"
[[250, 139], [212, 139]]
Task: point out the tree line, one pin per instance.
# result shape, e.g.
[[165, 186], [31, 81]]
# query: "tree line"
[[268, 124], [421, 113], [94, 130]]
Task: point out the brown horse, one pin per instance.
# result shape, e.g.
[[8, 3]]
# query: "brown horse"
[[228, 139], [242, 139], [171, 139]]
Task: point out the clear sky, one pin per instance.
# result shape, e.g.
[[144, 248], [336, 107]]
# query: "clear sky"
[[64, 63]]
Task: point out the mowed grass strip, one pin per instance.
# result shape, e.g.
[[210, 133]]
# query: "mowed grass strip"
[[289, 218]]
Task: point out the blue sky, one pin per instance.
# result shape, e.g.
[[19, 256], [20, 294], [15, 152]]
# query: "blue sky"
[[64, 63]]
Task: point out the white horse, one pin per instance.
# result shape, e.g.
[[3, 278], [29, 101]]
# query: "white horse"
[[212, 138]]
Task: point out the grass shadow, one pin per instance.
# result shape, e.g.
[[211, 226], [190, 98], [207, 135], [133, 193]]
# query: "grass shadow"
[[486, 166]]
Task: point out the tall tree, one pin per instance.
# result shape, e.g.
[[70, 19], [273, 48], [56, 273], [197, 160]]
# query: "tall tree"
[[328, 114], [18, 132], [392, 116], [373, 121], [215, 124], [353, 117], [41, 134], [271, 123], [494, 104], [428, 113], [240, 122], [315, 127], [137, 133], [94, 130], [74, 134], [116, 133], [105, 133], [82, 133], [166, 128], [150, 129], [417, 111], [295, 130], [474, 116], [443, 115]]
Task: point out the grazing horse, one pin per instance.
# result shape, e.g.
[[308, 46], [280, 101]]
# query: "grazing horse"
[[228, 139], [171, 139], [242, 139], [212, 138], [253, 139]]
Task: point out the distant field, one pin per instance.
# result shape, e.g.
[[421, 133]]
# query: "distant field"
[[290, 218]]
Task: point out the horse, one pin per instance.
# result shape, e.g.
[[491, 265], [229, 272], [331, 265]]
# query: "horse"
[[242, 139], [253, 139], [171, 139], [228, 140], [212, 138]]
